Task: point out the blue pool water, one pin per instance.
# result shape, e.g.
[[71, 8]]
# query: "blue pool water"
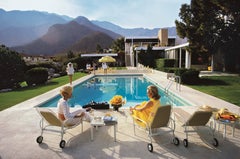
[[103, 88]]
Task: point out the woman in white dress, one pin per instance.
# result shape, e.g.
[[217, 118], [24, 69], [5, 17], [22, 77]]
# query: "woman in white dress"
[[70, 71], [104, 67], [64, 114]]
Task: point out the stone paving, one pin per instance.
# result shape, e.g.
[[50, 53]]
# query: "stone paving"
[[20, 128]]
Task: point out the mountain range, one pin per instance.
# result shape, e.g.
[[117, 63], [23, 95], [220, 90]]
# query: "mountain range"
[[133, 32], [61, 38], [35, 33], [21, 27]]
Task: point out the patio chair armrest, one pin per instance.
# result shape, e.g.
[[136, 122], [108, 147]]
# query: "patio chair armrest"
[[144, 122], [171, 119], [172, 122]]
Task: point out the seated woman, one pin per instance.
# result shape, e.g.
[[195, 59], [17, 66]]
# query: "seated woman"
[[64, 109], [143, 110]]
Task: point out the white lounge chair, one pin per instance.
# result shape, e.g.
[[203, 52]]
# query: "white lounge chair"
[[197, 119], [161, 119], [49, 118]]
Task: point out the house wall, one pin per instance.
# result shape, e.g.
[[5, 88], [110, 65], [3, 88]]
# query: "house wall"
[[163, 37], [160, 42]]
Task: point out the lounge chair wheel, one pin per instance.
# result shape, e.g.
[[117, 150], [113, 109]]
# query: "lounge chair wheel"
[[150, 147], [185, 142], [39, 139], [215, 142], [62, 143], [176, 141]]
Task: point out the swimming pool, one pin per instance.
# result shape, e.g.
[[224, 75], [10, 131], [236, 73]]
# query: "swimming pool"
[[103, 88]]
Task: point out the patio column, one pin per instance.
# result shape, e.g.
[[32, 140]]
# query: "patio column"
[[131, 57], [187, 60], [212, 63], [136, 58], [180, 58]]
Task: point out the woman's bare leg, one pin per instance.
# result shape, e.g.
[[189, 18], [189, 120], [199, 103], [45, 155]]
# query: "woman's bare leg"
[[70, 79]]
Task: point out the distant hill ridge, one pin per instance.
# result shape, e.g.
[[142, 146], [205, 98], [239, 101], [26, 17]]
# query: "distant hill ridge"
[[35, 32], [27, 25], [133, 32], [61, 38], [84, 21]]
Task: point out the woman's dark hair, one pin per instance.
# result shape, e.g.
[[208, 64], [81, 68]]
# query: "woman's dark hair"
[[154, 90]]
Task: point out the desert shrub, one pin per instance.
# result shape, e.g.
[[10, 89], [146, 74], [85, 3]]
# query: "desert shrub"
[[12, 68], [188, 76], [37, 75], [164, 64], [180, 71]]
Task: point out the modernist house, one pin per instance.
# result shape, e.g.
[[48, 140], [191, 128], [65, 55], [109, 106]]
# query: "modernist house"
[[179, 53], [166, 46]]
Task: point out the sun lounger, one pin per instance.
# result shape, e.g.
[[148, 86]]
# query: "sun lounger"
[[197, 119], [161, 119], [49, 118]]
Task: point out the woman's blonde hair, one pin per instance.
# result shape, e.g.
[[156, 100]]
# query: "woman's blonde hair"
[[154, 90], [66, 89]]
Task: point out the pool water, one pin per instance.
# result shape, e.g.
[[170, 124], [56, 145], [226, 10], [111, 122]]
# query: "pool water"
[[103, 88]]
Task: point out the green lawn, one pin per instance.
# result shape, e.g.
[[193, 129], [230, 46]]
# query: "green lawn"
[[223, 87], [8, 99]]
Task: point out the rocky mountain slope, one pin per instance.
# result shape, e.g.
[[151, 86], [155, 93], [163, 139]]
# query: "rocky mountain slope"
[[62, 37], [35, 33]]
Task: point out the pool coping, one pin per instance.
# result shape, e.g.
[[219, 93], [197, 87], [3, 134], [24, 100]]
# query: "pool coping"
[[55, 93], [193, 97], [20, 129]]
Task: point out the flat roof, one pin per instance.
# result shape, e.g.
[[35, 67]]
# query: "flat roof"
[[99, 55], [153, 48], [145, 39], [177, 46], [141, 39]]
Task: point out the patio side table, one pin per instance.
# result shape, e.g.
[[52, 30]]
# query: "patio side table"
[[98, 121]]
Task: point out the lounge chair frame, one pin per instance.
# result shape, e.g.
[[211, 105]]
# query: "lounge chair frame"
[[161, 119], [49, 119], [197, 119]]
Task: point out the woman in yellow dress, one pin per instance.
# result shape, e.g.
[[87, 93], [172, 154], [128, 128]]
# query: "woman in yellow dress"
[[143, 110]]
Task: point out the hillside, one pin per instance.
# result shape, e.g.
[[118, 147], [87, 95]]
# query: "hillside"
[[84, 21], [60, 38], [134, 31], [27, 25], [90, 42], [34, 32]]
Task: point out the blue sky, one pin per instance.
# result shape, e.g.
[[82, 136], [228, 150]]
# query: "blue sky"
[[125, 13]]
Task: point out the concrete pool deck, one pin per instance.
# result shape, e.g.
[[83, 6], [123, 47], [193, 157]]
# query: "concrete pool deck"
[[20, 128]]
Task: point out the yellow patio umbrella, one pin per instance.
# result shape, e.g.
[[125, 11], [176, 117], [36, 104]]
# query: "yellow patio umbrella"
[[107, 59]]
